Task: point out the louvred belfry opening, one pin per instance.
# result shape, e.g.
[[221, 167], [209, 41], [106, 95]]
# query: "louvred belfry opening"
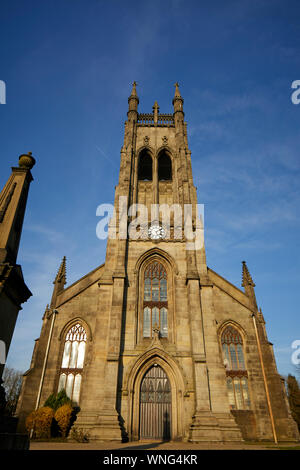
[[164, 167], [145, 167]]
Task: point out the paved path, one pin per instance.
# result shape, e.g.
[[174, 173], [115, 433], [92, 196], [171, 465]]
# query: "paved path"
[[151, 446]]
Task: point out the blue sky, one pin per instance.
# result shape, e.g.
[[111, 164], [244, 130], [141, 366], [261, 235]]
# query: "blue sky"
[[68, 68]]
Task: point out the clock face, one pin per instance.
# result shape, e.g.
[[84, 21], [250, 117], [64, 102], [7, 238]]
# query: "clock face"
[[156, 232]]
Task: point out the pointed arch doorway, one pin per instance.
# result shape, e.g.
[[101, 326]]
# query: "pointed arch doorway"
[[155, 405]]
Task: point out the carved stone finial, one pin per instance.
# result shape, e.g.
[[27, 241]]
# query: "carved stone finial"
[[133, 99], [155, 107], [156, 343], [47, 312], [248, 284], [177, 100], [26, 161], [61, 274], [246, 276], [133, 91], [155, 330], [146, 140], [177, 92], [155, 112], [260, 316]]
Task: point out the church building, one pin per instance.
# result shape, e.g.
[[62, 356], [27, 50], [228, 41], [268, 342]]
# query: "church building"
[[154, 344]]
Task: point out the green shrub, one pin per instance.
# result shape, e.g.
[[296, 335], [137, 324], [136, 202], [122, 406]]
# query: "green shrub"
[[62, 399], [51, 401], [54, 418], [55, 401]]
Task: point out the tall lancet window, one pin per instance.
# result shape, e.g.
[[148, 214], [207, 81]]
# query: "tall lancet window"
[[164, 167], [72, 362], [236, 373], [145, 166], [155, 303]]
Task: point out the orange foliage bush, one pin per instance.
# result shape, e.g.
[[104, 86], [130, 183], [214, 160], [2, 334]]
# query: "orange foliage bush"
[[30, 422], [43, 422], [40, 422], [63, 418]]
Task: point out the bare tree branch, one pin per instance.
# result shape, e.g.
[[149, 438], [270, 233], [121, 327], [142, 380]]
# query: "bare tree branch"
[[12, 381]]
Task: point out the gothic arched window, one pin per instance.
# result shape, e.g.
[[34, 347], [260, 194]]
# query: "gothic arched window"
[[72, 362], [155, 301], [145, 166], [164, 167], [236, 373]]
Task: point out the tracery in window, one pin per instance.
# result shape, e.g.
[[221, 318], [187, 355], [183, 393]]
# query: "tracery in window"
[[237, 376], [72, 362], [155, 303]]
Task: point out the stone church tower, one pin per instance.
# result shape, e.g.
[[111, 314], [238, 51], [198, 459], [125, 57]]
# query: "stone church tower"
[[153, 344]]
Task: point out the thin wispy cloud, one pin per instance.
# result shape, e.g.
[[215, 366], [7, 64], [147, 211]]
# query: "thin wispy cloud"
[[52, 236], [107, 158]]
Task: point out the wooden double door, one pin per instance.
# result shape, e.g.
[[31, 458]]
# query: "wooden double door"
[[155, 405]]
